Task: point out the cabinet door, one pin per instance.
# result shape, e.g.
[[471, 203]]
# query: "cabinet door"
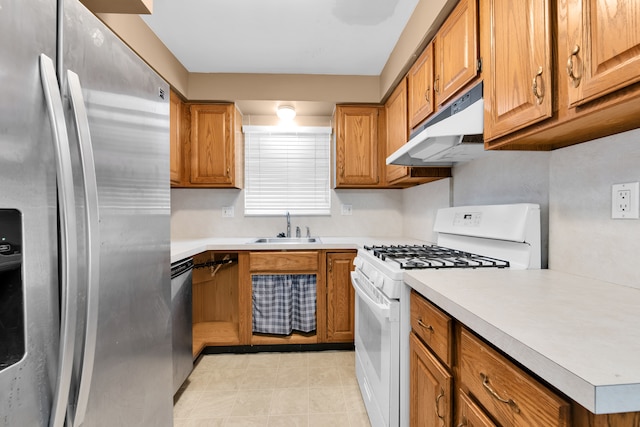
[[430, 388], [356, 146], [175, 139], [456, 51], [340, 297], [603, 47], [516, 52], [397, 129], [212, 151], [420, 81]]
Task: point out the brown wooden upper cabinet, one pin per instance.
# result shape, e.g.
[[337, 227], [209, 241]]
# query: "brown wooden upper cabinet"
[[216, 155], [397, 130], [420, 87], [456, 51], [516, 64], [397, 135], [603, 47], [356, 132], [176, 141], [559, 73]]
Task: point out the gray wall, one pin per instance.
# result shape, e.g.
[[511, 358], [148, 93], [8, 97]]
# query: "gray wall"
[[506, 177], [584, 240]]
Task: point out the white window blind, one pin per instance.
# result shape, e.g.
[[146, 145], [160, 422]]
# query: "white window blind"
[[287, 170]]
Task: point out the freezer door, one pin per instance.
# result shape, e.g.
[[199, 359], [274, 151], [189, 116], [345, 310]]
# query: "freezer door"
[[28, 291], [123, 372]]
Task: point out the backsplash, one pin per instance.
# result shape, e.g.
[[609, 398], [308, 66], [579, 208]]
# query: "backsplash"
[[197, 213], [584, 240], [572, 186]]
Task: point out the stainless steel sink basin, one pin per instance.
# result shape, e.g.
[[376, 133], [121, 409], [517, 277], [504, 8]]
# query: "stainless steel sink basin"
[[275, 240]]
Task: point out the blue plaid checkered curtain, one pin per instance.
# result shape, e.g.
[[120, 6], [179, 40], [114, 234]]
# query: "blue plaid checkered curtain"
[[283, 303]]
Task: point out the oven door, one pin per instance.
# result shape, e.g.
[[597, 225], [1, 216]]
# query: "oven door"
[[377, 343]]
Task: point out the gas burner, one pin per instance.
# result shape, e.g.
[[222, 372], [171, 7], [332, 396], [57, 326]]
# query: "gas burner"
[[432, 256]]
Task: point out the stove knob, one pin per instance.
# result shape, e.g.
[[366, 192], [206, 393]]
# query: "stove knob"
[[358, 262]]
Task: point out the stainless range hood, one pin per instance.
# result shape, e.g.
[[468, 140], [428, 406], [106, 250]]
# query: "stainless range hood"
[[453, 134]]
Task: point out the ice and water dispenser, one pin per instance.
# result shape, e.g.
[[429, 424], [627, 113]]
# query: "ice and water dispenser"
[[12, 330]]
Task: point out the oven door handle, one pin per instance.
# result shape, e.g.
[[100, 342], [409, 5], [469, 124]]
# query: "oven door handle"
[[382, 311]]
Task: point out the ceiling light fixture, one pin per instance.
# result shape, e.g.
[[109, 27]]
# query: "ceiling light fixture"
[[286, 112]]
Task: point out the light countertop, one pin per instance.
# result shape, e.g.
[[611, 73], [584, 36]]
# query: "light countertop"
[[580, 335], [185, 248]]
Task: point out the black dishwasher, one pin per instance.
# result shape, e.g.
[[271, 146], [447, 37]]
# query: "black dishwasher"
[[181, 320]]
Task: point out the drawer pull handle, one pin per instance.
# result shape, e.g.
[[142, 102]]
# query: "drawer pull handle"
[[510, 402], [427, 327], [440, 396]]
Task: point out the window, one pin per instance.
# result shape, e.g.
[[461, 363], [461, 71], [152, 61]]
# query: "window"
[[287, 170]]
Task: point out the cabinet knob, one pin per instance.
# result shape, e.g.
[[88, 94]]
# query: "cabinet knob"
[[534, 86], [575, 79], [228, 172]]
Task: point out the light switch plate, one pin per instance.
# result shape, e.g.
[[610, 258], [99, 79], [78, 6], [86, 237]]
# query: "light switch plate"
[[625, 203], [346, 209]]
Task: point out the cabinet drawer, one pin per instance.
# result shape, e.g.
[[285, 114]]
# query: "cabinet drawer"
[[510, 395], [278, 261], [469, 414], [433, 326]]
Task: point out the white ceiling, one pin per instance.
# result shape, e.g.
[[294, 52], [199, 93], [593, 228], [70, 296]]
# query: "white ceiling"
[[343, 37]]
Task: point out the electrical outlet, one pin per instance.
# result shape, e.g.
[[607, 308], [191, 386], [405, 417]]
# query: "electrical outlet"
[[625, 203], [227, 212], [346, 209]]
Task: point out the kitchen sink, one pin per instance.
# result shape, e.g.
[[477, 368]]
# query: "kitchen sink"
[[275, 240]]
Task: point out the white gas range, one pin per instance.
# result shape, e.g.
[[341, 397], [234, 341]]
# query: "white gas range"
[[490, 236]]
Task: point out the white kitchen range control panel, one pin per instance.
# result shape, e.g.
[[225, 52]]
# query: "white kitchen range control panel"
[[509, 232], [467, 219], [503, 222]]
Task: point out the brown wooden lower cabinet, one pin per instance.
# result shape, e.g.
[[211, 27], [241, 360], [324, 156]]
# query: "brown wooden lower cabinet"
[[219, 300], [491, 390], [222, 296], [469, 414], [430, 394], [508, 394], [340, 297]]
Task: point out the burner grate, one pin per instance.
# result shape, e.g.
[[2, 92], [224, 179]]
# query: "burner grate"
[[432, 256]]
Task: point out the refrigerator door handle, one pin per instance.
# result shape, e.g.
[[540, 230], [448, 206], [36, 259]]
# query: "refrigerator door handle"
[[88, 167], [68, 240]]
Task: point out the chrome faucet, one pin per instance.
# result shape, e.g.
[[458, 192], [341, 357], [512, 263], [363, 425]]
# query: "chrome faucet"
[[288, 224], [308, 232]]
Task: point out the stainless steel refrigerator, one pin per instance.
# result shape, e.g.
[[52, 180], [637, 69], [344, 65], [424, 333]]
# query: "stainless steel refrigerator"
[[85, 324]]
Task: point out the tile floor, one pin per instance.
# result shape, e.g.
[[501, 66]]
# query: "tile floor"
[[306, 389]]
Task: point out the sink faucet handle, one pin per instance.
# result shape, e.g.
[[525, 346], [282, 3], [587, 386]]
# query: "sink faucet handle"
[[297, 231], [308, 232]]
